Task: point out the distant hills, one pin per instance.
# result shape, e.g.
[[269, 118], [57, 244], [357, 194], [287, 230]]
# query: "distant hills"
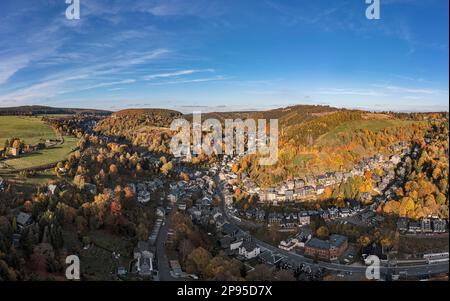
[[286, 116], [44, 110]]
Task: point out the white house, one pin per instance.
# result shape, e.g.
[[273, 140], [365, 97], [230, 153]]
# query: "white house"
[[249, 250]]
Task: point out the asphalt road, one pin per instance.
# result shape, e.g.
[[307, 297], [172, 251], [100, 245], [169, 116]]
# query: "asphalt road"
[[161, 256]]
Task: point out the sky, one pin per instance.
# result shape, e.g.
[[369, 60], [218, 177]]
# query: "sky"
[[221, 55]]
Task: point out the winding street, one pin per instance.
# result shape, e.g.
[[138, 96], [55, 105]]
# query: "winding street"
[[161, 256]]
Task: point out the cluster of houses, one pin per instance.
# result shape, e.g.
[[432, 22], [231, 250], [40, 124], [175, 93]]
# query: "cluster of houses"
[[298, 218], [22, 149], [304, 242], [311, 186], [200, 188], [298, 241], [425, 225], [237, 243], [144, 190], [325, 249]]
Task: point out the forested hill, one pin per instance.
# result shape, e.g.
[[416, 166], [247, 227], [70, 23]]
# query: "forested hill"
[[44, 110], [287, 116]]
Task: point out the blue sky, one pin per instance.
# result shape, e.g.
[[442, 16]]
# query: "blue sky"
[[215, 55]]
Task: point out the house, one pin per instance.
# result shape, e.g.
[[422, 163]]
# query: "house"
[[260, 215], [299, 192], [439, 225], [402, 224], [52, 189], [305, 234], [289, 244], [290, 184], [143, 196], [23, 220], [344, 212], [320, 189], [414, 227], [220, 221], [322, 179], [309, 190], [289, 194], [249, 250], [14, 151], [425, 225], [330, 249], [274, 218], [90, 188], [304, 218], [176, 268], [298, 241], [181, 205], [144, 259], [172, 198], [230, 229], [395, 159], [228, 199]]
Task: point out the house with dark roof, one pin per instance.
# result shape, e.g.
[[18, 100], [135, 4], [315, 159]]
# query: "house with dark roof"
[[330, 249], [439, 225], [230, 229], [402, 224], [23, 220]]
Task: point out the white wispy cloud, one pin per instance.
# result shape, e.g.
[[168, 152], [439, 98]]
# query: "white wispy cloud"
[[196, 80], [81, 78], [176, 73], [357, 92], [9, 67], [108, 84], [400, 89]]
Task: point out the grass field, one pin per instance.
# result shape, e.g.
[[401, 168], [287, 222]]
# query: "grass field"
[[332, 137], [30, 129], [33, 130], [45, 156]]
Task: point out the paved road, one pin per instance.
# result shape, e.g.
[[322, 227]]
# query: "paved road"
[[161, 256], [410, 270]]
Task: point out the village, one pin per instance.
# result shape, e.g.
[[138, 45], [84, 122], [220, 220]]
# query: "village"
[[207, 197]]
